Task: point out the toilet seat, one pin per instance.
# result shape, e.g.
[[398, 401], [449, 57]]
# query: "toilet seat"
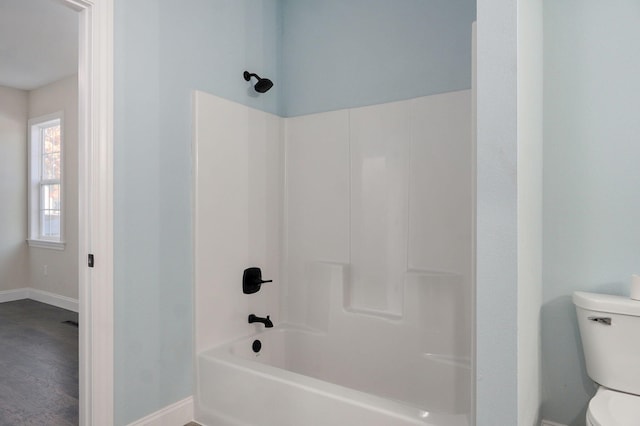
[[611, 408]]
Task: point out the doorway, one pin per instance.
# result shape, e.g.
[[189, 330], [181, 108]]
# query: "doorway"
[[95, 201], [39, 269]]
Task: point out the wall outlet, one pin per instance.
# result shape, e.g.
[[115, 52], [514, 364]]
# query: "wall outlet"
[[45, 270]]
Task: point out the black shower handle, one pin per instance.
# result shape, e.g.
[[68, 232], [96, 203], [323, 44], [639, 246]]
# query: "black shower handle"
[[252, 280]]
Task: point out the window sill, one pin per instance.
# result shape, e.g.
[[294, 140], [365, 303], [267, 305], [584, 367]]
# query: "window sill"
[[52, 245]]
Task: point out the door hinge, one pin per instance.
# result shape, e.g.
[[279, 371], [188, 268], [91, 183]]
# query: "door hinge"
[[90, 261]]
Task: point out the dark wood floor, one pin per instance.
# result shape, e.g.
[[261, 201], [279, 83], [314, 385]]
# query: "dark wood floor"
[[38, 365]]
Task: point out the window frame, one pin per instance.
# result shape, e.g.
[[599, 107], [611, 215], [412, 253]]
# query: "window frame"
[[35, 183]]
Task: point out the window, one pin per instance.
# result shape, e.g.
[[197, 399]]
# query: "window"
[[46, 223]]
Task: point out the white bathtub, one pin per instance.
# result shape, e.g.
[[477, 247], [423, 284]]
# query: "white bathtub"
[[298, 379]]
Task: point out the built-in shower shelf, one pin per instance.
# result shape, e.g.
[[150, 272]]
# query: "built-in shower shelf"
[[452, 360], [430, 299], [374, 313]]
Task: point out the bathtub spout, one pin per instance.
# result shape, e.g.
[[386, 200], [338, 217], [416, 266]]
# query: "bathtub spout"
[[266, 321]]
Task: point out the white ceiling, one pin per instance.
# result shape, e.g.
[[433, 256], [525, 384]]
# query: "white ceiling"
[[38, 42]]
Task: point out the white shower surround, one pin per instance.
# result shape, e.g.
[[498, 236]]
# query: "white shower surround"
[[337, 208]]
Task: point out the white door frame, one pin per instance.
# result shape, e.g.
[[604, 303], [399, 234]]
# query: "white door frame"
[[95, 198]]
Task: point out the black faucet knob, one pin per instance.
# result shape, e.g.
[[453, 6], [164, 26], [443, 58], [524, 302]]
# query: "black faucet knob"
[[252, 280]]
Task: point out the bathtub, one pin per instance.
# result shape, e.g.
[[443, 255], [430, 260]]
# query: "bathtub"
[[299, 379]]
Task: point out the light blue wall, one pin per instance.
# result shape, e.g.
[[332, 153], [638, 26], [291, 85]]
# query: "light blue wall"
[[530, 144], [591, 180], [496, 217], [163, 50], [340, 54]]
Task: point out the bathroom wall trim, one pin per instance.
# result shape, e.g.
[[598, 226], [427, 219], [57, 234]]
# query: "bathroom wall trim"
[[178, 413], [13, 295], [49, 298], [95, 202]]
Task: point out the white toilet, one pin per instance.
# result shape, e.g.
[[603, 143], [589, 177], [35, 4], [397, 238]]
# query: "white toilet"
[[610, 330]]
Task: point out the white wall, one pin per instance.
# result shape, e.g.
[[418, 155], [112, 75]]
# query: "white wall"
[[62, 266], [591, 179], [317, 201], [14, 271], [384, 191], [238, 204]]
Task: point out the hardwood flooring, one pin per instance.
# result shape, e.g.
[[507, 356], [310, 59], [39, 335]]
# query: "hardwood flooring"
[[38, 365]]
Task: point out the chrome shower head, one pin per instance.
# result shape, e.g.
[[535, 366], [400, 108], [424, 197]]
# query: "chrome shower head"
[[263, 84]]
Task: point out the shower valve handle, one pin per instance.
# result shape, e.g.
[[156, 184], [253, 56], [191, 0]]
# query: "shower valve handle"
[[252, 280]]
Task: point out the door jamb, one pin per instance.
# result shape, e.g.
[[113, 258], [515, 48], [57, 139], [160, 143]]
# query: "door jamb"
[[95, 199]]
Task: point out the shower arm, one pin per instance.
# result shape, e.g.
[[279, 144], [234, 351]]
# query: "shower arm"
[[248, 75]]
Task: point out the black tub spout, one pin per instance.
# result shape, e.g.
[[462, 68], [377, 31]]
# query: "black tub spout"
[[266, 321]]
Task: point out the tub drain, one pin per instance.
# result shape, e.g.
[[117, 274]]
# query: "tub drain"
[[257, 345]]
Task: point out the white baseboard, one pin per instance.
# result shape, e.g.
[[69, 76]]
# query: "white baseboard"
[[11, 295], [177, 414], [63, 302], [550, 423]]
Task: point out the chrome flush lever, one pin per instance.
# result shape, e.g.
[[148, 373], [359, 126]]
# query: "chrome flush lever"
[[601, 320]]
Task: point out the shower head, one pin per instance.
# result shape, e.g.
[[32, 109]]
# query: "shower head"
[[263, 84]]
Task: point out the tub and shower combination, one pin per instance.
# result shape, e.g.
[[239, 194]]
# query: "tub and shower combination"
[[364, 368], [362, 218]]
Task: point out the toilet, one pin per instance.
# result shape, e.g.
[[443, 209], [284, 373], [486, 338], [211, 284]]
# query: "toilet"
[[610, 331]]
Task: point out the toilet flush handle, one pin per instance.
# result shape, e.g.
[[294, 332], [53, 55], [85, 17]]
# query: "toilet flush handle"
[[601, 320]]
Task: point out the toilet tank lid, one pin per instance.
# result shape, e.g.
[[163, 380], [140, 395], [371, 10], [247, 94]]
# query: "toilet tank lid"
[[606, 303]]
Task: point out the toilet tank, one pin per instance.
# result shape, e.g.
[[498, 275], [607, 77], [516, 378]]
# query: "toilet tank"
[[610, 331]]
